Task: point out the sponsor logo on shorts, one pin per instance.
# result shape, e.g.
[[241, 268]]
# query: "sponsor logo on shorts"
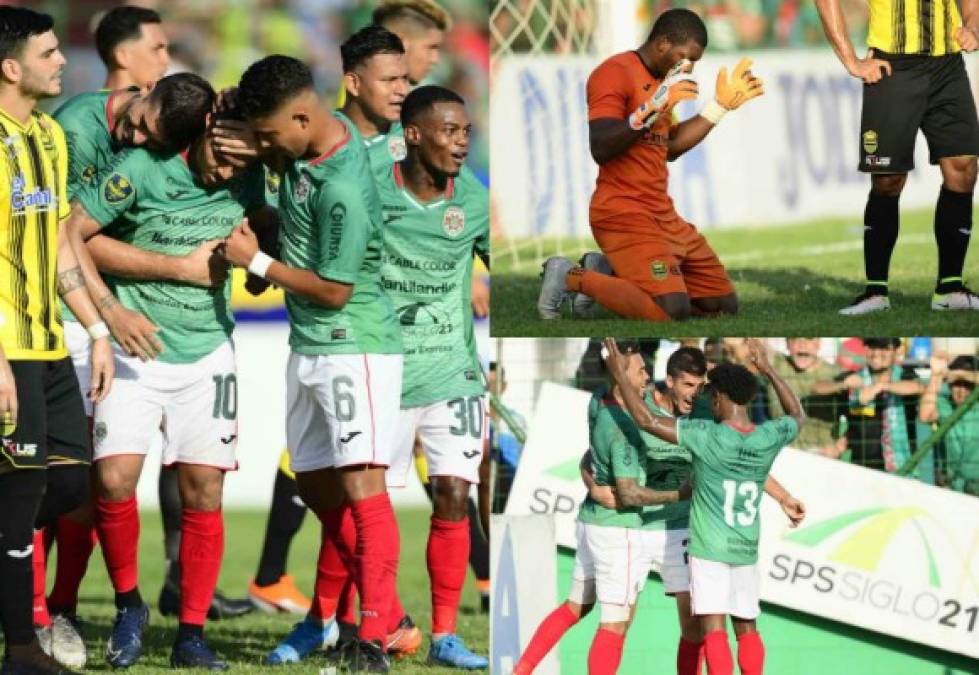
[[228, 439], [874, 160], [349, 437], [301, 189], [453, 221], [338, 334], [397, 148], [469, 454], [99, 433], [15, 449], [117, 188], [471, 375], [870, 141], [659, 270]]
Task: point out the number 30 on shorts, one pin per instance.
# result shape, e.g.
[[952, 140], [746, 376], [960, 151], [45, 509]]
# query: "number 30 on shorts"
[[469, 412]]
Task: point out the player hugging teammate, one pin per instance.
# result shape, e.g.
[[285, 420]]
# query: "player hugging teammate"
[[645, 452], [167, 191]]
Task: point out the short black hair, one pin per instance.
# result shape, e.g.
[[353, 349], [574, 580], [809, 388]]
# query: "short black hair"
[[965, 362], [680, 26], [425, 14], [734, 381], [271, 82], [423, 99], [368, 42], [686, 360], [184, 100], [17, 26], [118, 25], [882, 342]]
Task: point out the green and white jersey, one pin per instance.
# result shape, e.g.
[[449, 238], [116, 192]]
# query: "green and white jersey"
[[616, 452], [730, 468], [426, 271], [157, 204], [87, 121], [331, 224], [668, 466]]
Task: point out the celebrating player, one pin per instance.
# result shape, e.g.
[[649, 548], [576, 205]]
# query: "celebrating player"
[[344, 372], [609, 565], [45, 454], [664, 268], [914, 78], [731, 461], [190, 389]]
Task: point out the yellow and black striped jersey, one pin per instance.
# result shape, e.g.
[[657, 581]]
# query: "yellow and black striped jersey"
[[33, 199], [925, 27]]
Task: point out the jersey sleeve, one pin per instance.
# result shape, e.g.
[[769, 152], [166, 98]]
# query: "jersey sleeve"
[[63, 161], [114, 192], [623, 456], [691, 434], [785, 428], [82, 157], [343, 230], [608, 92]]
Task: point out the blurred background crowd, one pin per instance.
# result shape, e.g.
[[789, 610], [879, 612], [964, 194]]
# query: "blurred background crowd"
[[902, 405], [218, 39]]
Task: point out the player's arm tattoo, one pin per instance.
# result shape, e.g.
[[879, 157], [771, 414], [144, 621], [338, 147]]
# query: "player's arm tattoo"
[[70, 280], [630, 493], [107, 302]]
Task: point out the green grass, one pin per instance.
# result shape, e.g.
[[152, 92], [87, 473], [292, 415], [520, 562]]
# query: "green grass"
[[243, 642], [791, 280]]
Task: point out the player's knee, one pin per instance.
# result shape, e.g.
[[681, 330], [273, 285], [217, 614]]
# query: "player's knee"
[[67, 489], [450, 496], [724, 304], [201, 491], [581, 596], [959, 173], [888, 185], [691, 630], [677, 305], [115, 482]]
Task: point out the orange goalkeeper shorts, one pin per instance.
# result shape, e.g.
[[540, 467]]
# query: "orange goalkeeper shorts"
[[670, 257]]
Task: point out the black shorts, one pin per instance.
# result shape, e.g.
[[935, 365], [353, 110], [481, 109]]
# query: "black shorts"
[[930, 93], [51, 423]]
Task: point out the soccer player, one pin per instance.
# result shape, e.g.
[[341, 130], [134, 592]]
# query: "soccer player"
[[664, 268], [914, 78], [611, 565], [190, 389], [344, 373], [731, 461], [665, 529], [434, 223], [421, 25], [44, 455], [133, 46]]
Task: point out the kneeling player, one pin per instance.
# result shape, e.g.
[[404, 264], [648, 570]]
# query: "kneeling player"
[[664, 268], [611, 565], [731, 461]]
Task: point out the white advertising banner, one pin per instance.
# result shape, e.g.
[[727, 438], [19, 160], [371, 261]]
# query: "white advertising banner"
[[887, 554], [522, 567], [789, 156]]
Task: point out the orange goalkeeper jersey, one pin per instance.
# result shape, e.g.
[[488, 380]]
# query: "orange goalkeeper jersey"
[[634, 182]]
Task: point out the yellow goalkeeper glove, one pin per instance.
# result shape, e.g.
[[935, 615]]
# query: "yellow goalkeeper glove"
[[730, 94], [678, 85]]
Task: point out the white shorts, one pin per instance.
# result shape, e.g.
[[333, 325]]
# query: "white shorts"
[[79, 346], [615, 558], [668, 551], [722, 588], [194, 404], [452, 433], [341, 409]]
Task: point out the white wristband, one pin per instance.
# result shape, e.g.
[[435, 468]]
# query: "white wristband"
[[259, 266], [713, 111], [98, 330]]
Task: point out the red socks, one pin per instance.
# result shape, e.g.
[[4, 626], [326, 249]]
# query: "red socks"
[[348, 599], [40, 607], [75, 545], [689, 658], [751, 654], [547, 635], [331, 576], [447, 557], [718, 653], [375, 562], [395, 613], [118, 527], [201, 548], [605, 653]]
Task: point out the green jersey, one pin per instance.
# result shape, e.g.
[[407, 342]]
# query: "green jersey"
[[331, 224], [616, 452], [730, 468], [87, 121], [668, 466], [157, 204], [426, 271], [961, 445]]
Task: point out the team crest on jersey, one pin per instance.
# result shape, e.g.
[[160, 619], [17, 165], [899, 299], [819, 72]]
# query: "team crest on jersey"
[[301, 190], [117, 188], [89, 173], [659, 270], [453, 221], [272, 183], [99, 432], [397, 148], [870, 141]]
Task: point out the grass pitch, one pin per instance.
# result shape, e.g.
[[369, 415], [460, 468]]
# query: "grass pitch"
[[243, 642], [791, 281]]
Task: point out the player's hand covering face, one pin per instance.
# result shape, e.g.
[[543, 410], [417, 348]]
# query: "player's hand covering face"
[[741, 87], [442, 137], [39, 67]]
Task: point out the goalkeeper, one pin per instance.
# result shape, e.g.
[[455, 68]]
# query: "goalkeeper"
[[664, 268]]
